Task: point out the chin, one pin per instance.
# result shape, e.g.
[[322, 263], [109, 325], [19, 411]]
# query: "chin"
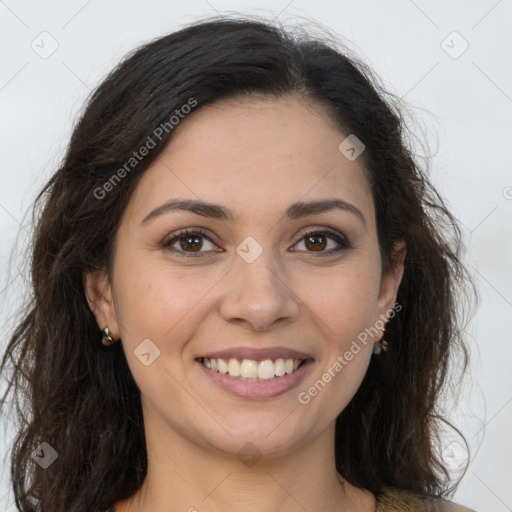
[[267, 435]]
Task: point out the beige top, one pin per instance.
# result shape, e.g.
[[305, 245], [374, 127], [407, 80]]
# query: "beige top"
[[395, 500]]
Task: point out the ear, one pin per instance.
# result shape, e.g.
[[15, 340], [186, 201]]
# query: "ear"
[[391, 280], [98, 292]]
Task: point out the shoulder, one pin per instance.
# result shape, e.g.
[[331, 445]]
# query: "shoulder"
[[398, 500]]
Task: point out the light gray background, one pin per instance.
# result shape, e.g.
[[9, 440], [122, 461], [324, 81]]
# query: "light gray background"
[[463, 102]]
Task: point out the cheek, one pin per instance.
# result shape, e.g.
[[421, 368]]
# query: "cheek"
[[346, 306], [342, 315], [154, 304], [157, 303], [344, 301]]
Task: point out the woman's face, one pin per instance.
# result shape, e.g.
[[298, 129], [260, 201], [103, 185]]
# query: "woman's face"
[[255, 284]]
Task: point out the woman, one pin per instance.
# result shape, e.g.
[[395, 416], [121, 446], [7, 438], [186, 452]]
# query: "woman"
[[244, 294]]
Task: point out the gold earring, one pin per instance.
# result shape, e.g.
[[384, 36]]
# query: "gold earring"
[[382, 345], [107, 338], [383, 342]]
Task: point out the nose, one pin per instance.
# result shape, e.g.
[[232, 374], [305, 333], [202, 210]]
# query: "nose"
[[257, 294]]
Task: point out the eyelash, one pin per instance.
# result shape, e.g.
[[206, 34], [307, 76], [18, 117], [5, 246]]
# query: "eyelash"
[[340, 239]]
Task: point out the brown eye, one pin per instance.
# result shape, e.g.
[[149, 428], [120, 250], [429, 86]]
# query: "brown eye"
[[318, 241], [193, 243], [190, 242]]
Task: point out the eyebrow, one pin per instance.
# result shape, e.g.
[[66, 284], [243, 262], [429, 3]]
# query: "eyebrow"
[[215, 211]]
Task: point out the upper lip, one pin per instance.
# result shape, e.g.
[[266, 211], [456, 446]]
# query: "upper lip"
[[257, 354]]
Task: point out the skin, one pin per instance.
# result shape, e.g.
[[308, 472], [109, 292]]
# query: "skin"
[[256, 157]]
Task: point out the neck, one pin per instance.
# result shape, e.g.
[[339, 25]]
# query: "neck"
[[183, 475]]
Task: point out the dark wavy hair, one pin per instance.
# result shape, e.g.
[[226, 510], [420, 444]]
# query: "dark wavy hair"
[[80, 397]]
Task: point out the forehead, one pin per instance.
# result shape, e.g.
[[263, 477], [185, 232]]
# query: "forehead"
[[255, 155]]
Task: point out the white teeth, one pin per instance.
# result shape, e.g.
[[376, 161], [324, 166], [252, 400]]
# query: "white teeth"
[[279, 367], [234, 368], [223, 366], [253, 370], [266, 369], [249, 369]]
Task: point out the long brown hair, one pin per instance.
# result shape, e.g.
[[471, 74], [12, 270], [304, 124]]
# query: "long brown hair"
[[80, 397]]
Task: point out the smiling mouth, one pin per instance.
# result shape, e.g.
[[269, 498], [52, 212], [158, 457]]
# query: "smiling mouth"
[[251, 369]]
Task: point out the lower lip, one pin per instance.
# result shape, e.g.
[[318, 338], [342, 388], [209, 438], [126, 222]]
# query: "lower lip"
[[258, 389]]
